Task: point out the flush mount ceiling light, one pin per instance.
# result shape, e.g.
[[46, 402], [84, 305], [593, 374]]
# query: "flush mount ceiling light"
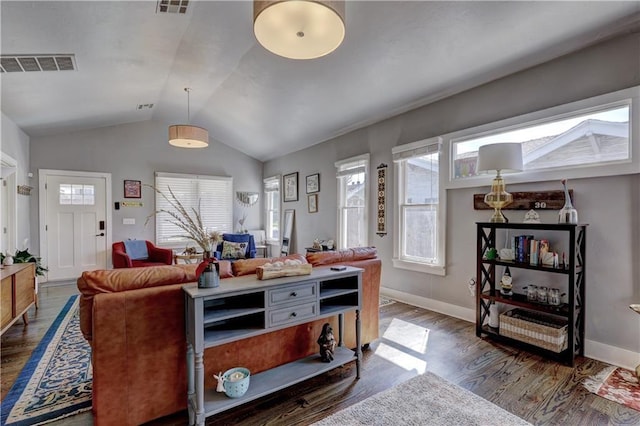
[[186, 135], [299, 29]]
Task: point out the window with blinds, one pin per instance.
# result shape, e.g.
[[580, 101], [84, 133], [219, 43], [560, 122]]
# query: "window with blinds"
[[352, 174], [211, 196], [420, 218], [272, 207]]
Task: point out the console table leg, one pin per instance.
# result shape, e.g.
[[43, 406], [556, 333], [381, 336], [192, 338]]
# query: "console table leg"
[[199, 399], [340, 328], [191, 391], [358, 344]]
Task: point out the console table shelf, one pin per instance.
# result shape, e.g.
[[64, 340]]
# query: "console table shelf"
[[275, 379], [251, 307]]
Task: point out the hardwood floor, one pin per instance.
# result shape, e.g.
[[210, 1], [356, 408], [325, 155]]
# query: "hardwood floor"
[[412, 341]]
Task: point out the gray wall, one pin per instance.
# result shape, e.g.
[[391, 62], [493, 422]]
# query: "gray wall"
[[15, 143], [610, 205], [136, 151]]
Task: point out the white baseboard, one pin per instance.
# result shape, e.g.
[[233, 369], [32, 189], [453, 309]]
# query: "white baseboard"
[[595, 350]]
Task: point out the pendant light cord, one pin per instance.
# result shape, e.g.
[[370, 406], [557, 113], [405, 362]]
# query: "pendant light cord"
[[186, 89]]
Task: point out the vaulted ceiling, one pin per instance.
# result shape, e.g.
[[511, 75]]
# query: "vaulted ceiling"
[[396, 56]]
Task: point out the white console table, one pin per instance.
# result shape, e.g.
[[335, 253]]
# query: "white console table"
[[245, 306]]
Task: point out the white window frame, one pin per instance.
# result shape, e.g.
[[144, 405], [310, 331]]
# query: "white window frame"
[[343, 167], [162, 216], [629, 96], [268, 207], [400, 154]]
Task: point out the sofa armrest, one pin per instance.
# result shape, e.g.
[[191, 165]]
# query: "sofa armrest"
[[120, 259]]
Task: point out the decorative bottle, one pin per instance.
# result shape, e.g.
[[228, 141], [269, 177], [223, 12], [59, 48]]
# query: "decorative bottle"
[[567, 214]]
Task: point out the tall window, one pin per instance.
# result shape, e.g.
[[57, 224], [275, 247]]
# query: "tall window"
[[353, 184], [272, 207], [420, 218], [211, 196]]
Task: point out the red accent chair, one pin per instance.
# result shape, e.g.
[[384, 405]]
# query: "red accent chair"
[[157, 256]]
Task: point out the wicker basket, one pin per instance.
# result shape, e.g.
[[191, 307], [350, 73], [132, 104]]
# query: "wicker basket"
[[535, 328]]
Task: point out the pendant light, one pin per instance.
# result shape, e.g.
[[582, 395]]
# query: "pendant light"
[[186, 135], [299, 29]]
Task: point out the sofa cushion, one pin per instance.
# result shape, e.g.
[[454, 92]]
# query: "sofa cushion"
[[231, 250], [91, 283], [345, 255], [249, 266]]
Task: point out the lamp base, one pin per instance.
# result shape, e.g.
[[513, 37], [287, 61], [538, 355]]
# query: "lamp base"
[[498, 217]]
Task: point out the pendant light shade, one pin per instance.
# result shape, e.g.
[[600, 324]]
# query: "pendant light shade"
[[186, 135], [299, 29]]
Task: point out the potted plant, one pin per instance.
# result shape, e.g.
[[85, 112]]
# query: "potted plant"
[[23, 256]]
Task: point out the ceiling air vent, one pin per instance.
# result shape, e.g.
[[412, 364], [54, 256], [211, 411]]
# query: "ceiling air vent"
[[172, 6], [28, 63]]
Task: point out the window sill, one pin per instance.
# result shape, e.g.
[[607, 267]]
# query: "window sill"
[[419, 267]]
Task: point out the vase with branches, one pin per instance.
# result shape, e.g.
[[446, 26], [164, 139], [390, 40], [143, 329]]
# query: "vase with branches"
[[189, 221]]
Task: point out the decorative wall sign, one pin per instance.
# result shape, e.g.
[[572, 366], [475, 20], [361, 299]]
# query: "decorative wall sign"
[[381, 223], [538, 200], [131, 204], [132, 189]]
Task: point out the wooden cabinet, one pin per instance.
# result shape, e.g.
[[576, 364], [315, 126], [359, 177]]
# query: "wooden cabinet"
[[245, 307], [17, 293], [569, 274]]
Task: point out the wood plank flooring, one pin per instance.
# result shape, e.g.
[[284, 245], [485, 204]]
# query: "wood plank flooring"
[[412, 341]]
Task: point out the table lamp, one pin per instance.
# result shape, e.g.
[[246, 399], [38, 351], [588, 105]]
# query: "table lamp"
[[500, 157]]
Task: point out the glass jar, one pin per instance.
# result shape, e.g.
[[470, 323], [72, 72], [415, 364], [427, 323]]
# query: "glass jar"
[[554, 297], [543, 295], [532, 293]]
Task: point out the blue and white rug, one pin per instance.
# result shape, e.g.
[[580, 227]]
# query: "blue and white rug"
[[56, 381]]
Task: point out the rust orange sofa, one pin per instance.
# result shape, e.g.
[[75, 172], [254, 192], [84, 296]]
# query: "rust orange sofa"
[[134, 321]]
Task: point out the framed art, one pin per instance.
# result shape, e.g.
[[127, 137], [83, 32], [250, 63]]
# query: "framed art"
[[132, 189], [290, 184], [312, 202], [313, 183]]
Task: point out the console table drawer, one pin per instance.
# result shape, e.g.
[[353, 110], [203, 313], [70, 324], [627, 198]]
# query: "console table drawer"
[[293, 293], [292, 314]]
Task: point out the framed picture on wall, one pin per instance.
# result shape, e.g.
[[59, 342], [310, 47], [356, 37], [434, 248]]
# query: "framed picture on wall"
[[312, 202], [132, 189], [290, 184], [313, 183]]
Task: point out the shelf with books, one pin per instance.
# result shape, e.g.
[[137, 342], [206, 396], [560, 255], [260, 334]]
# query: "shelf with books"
[[569, 239]]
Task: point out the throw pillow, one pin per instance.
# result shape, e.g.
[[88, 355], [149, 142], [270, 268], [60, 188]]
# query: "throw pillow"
[[232, 250]]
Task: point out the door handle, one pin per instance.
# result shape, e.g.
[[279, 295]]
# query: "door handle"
[[100, 234]]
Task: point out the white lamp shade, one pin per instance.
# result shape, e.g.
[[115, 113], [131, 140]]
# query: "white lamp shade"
[[186, 136], [500, 156], [299, 29]]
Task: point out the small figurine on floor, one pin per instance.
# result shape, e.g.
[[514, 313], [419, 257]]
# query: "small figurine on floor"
[[327, 343]]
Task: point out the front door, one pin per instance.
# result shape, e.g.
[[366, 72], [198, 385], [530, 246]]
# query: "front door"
[[76, 223]]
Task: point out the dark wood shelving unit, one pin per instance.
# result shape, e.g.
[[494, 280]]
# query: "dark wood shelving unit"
[[573, 311]]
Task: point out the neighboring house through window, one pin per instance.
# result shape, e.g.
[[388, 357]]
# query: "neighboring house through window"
[[420, 215], [272, 208], [211, 196], [353, 184]]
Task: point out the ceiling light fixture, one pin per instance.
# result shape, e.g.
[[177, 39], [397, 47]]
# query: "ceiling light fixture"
[[299, 29], [186, 135]]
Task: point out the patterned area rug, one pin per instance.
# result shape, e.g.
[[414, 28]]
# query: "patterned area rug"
[[56, 381], [423, 400], [616, 384], [385, 301]]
